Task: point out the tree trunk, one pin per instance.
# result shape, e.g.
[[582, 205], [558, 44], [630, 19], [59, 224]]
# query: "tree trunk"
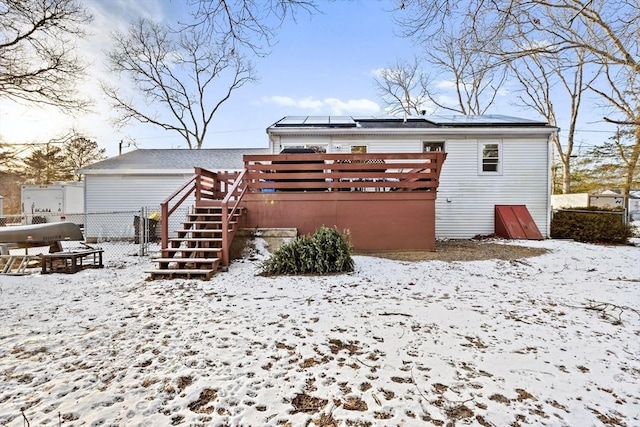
[[566, 175], [632, 164]]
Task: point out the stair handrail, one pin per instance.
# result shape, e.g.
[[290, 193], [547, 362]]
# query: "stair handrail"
[[228, 214], [165, 212]]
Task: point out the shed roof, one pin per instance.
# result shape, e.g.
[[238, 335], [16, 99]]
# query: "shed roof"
[[158, 160]]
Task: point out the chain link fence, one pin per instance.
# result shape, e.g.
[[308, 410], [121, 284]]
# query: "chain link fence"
[[125, 233]]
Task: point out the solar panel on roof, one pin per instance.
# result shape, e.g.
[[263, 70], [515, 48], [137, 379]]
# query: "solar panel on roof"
[[291, 120], [361, 118], [436, 119], [485, 119], [317, 120], [341, 120]]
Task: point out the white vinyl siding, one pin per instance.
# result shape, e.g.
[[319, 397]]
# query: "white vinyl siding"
[[104, 193], [523, 178], [126, 194], [466, 200]]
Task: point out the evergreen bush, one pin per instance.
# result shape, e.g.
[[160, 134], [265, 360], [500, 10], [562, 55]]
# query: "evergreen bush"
[[592, 225], [326, 251]]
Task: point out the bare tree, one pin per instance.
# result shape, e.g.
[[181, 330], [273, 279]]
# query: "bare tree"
[[622, 92], [188, 72], [546, 79], [475, 77], [248, 23], [608, 164], [37, 61], [421, 19], [604, 31], [470, 74], [608, 29], [403, 88]]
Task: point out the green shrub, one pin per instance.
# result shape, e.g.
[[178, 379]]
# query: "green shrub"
[[592, 225], [326, 251]]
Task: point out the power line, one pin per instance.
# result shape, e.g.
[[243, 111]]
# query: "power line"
[[208, 133]]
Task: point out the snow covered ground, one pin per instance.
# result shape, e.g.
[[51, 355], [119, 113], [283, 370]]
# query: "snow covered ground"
[[552, 340]]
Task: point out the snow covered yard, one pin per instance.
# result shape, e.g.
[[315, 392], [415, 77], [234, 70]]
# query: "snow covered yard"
[[489, 343]]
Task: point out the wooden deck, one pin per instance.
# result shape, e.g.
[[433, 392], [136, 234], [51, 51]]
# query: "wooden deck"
[[386, 201]]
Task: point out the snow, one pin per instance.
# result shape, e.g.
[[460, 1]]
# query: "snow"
[[393, 343]]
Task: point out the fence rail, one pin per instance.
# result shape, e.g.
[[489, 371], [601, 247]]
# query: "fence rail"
[[622, 212], [133, 230]]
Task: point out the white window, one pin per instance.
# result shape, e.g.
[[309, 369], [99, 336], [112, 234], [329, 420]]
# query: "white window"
[[430, 146], [490, 158], [318, 148], [358, 149]]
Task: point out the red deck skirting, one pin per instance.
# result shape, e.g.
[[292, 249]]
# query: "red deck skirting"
[[376, 221]]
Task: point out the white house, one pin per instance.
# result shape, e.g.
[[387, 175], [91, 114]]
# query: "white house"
[[491, 160], [143, 179]]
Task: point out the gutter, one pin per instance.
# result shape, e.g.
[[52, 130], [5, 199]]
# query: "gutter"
[[441, 132]]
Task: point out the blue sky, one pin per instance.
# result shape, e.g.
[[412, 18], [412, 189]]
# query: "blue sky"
[[323, 64]]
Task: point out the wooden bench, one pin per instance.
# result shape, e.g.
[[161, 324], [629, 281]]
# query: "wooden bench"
[[71, 262]]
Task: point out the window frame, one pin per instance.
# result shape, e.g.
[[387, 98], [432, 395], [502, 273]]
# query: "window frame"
[[439, 145], [324, 147], [352, 146], [486, 160]]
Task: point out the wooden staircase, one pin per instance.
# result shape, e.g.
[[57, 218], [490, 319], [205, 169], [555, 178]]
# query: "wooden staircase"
[[197, 251]]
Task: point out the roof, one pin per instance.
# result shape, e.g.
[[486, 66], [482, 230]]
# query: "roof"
[[411, 122], [161, 160]]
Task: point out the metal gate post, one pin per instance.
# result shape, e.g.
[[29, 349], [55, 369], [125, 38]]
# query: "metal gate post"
[[142, 236]]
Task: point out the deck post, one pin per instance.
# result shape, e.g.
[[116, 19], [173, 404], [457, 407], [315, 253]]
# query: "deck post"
[[164, 224], [225, 234]]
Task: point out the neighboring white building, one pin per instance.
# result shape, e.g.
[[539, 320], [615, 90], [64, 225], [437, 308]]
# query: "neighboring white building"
[[491, 160], [144, 179]]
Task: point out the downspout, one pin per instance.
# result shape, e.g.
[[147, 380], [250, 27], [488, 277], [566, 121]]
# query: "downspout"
[[550, 151]]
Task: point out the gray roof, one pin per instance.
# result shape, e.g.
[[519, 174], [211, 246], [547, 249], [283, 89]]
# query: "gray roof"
[[433, 121], [176, 159]]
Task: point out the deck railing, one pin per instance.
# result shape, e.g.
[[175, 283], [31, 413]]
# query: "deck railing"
[[230, 205], [211, 188], [343, 172], [388, 172]]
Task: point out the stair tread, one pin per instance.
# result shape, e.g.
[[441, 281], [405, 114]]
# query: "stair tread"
[[181, 271], [212, 214], [195, 239], [205, 230], [206, 222], [233, 217], [192, 249], [211, 221]]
